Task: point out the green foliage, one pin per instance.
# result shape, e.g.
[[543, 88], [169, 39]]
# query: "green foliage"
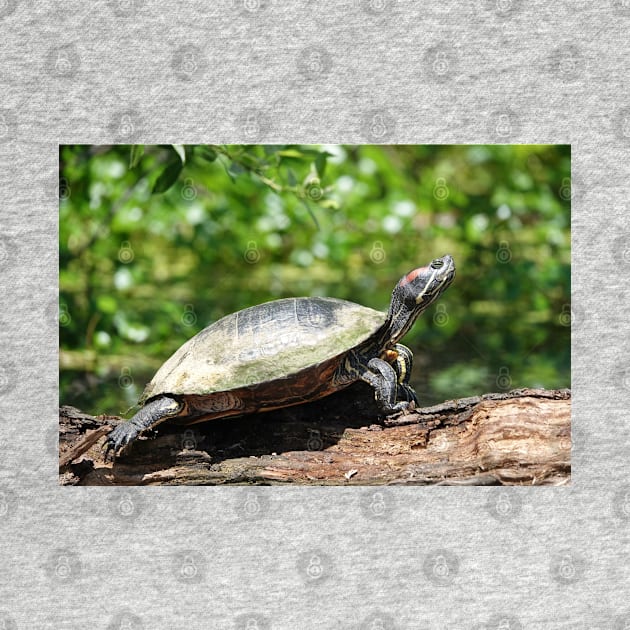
[[156, 242]]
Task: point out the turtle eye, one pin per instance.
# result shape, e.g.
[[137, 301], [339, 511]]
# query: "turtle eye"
[[437, 263]]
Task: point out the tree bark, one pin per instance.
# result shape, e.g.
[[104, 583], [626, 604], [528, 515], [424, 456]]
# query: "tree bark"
[[522, 437]]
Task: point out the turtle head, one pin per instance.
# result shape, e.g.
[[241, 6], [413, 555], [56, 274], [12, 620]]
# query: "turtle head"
[[415, 291]]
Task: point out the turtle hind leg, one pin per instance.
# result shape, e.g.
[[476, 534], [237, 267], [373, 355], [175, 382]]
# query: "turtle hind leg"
[[152, 414], [384, 379], [407, 393], [391, 381]]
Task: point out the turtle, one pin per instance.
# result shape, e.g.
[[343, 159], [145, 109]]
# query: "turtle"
[[287, 352]]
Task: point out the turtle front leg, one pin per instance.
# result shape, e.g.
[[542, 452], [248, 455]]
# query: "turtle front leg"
[[152, 414], [384, 379]]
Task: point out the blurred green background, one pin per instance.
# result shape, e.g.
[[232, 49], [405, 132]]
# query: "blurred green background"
[[157, 242]]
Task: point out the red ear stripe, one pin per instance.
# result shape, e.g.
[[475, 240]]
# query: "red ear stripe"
[[412, 275]]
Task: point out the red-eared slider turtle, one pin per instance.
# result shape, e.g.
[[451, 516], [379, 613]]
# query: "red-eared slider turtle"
[[287, 352]]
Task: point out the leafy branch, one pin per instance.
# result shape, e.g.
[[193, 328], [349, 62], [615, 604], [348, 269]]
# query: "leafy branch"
[[266, 168]]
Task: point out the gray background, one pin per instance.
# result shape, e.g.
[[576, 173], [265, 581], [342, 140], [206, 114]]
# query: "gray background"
[[353, 71]]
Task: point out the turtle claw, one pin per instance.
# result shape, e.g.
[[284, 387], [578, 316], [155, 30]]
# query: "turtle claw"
[[391, 395], [406, 394], [119, 437], [148, 417]]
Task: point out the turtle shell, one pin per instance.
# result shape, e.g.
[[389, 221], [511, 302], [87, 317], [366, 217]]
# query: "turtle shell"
[[264, 343]]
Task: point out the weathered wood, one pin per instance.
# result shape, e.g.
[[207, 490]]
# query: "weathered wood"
[[521, 437]]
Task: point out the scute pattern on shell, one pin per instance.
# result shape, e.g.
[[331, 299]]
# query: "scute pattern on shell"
[[264, 343]]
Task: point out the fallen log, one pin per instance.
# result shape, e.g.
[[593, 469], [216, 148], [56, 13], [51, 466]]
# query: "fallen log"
[[522, 437]]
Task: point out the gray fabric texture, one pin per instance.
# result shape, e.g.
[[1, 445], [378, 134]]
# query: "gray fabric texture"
[[350, 71]]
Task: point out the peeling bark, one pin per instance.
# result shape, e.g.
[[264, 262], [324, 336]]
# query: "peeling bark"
[[522, 437]]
